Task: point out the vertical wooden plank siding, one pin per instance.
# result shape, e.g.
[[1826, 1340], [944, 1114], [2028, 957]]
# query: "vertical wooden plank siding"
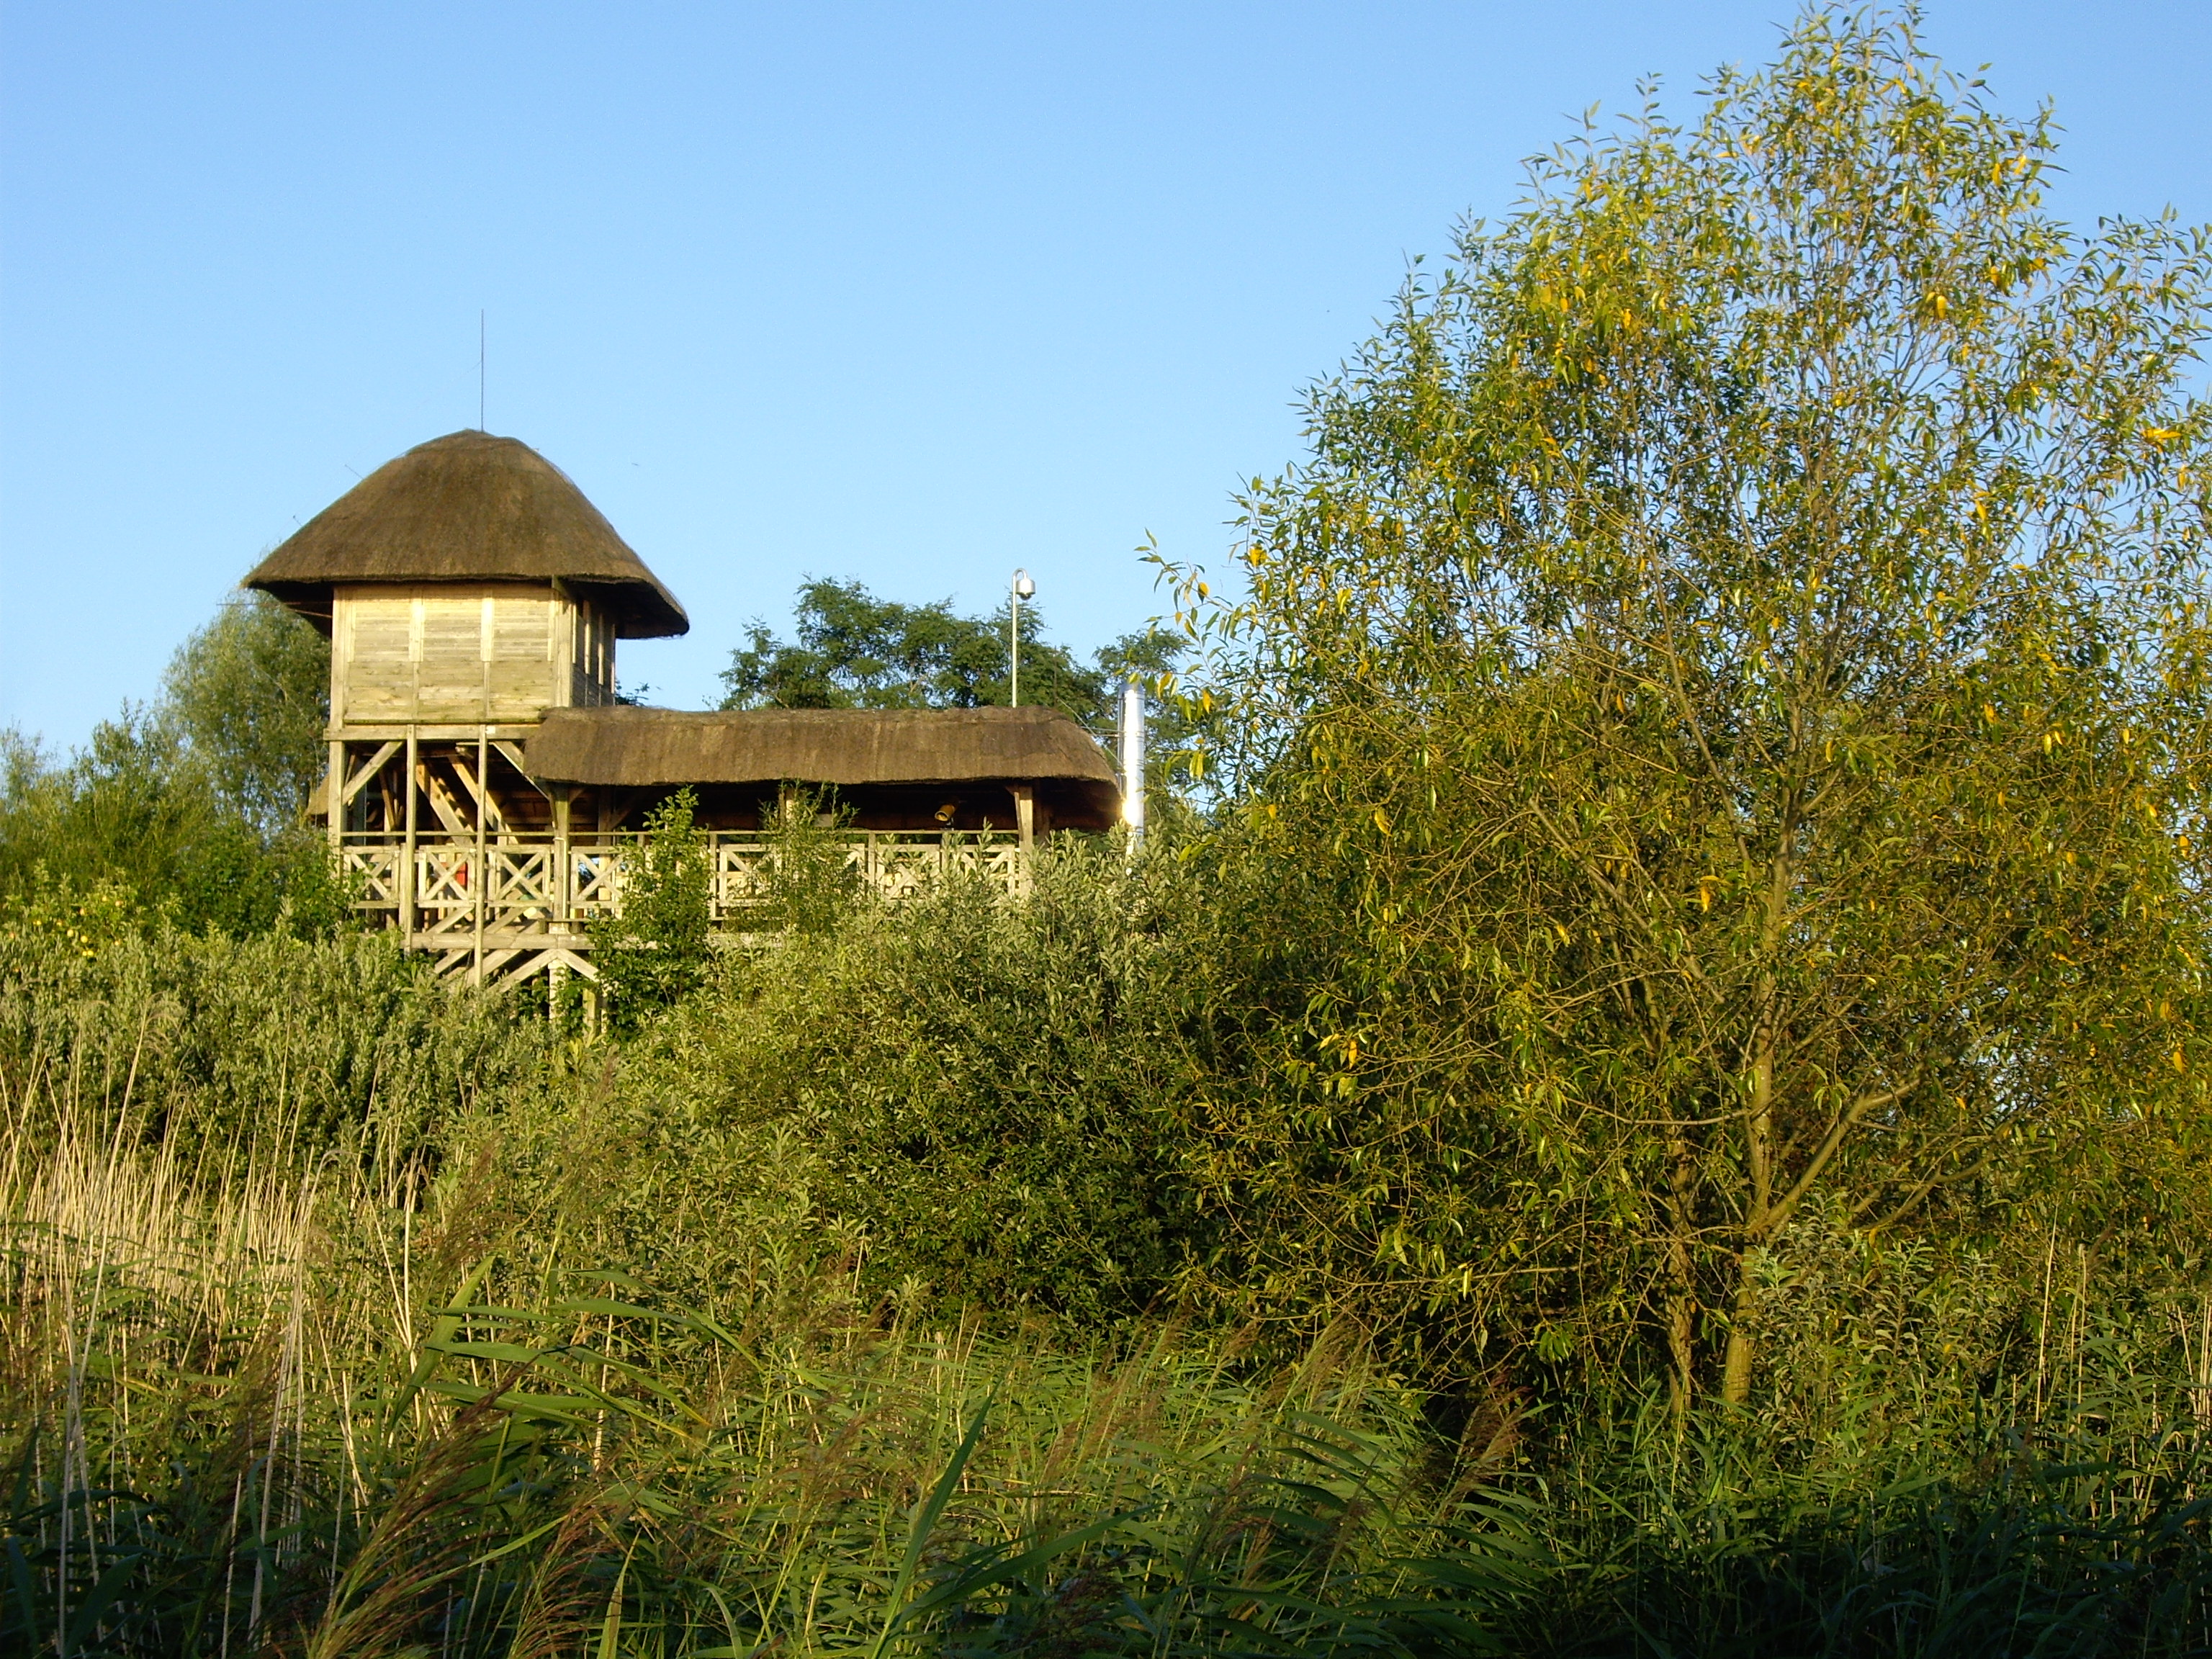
[[460, 653]]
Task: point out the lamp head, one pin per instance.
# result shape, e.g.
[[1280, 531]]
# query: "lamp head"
[[1023, 588]]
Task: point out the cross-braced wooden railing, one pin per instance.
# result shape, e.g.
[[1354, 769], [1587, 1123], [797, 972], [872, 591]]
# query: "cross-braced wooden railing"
[[521, 893]]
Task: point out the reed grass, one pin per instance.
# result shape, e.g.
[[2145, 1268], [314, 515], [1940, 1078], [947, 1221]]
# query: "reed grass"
[[254, 1418], [281, 1391]]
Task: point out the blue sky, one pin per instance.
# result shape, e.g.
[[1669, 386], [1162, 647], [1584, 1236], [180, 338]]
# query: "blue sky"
[[914, 294]]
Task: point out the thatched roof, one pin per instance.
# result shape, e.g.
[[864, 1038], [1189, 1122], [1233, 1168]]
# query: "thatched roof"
[[469, 508], [635, 747]]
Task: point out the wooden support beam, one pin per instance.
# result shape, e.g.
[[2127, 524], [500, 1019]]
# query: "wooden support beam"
[[333, 809], [498, 936], [514, 759], [430, 732], [1025, 819], [441, 799], [553, 964], [488, 813], [481, 876], [564, 858], [369, 770], [407, 874]]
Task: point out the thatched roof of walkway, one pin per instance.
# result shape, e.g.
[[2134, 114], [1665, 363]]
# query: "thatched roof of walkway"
[[845, 747]]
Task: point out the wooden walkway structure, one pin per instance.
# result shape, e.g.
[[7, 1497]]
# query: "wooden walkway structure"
[[520, 905], [486, 786]]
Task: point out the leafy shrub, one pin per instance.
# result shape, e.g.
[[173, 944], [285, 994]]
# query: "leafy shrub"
[[977, 1083], [243, 1051], [654, 953], [812, 885]]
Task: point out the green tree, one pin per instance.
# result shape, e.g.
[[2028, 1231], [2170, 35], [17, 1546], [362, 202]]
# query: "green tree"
[[1730, 688], [137, 810], [656, 952], [194, 805], [856, 651], [250, 693], [853, 650]]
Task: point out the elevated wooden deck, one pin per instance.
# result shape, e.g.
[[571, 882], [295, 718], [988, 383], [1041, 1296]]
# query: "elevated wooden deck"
[[522, 904]]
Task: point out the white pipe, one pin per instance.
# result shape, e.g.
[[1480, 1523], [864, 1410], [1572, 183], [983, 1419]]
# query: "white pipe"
[[1132, 759]]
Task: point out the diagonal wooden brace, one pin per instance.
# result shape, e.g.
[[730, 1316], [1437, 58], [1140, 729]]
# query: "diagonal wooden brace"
[[359, 781]]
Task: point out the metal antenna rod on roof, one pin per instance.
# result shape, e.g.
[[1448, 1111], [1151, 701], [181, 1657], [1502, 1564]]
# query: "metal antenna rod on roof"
[[480, 371]]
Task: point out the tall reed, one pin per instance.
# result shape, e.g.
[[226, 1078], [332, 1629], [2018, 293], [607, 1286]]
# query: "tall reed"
[[260, 1417], [581, 1362]]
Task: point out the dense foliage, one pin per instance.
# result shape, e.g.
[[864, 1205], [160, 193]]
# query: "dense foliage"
[[853, 650], [1733, 681], [250, 693], [688, 1346], [1661, 1112], [653, 952], [192, 806]]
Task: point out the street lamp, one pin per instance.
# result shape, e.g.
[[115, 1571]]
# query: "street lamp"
[[1023, 589]]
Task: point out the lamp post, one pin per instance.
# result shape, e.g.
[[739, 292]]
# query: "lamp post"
[[1024, 588]]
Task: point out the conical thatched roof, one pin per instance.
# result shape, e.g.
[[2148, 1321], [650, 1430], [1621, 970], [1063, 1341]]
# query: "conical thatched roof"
[[469, 508]]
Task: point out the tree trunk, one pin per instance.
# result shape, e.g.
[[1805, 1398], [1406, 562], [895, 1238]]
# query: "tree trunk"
[[1735, 1365], [1757, 1142], [1681, 1292]]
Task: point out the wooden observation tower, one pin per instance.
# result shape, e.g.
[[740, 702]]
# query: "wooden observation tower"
[[484, 788], [468, 587]]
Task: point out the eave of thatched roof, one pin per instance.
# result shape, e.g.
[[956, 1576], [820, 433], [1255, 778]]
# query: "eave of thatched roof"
[[469, 508], [646, 747]]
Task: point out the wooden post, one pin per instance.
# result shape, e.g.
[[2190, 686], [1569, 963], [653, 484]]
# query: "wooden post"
[[334, 796], [564, 864], [1025, 820], [481, 875], [407, 856]]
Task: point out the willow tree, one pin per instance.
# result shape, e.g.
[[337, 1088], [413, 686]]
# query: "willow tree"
[[1735, 661]]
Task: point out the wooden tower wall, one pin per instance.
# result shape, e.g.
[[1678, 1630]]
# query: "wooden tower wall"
[[465, 654]]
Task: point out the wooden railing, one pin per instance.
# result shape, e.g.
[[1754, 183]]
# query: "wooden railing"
[[518, 890]]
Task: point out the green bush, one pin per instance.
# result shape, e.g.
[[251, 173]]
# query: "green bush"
[[196, 804], [238, 1052], [655, 952], [977, 1084]]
